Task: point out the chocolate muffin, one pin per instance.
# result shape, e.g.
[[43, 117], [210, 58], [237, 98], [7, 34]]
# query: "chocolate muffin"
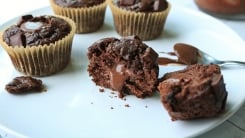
[[126, 65], [144, 18], [195, 92], [33, 31], [39, 46], [88, 14]]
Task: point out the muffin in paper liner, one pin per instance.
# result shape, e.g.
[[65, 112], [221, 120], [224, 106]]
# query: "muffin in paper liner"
[[42, 60], [146, 25], [87, 19]]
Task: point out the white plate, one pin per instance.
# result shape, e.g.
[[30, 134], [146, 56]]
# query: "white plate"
[[74, 107]]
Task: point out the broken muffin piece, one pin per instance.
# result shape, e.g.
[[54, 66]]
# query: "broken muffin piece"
[[195, 92], [126, 65], [24, 84]]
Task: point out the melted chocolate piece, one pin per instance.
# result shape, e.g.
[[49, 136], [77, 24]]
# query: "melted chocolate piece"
[[118, 75], [165, 61], [24, 84], [185, 53], [143, 5]]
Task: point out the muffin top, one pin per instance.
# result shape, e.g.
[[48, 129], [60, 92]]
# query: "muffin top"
[[143, 5], [33, 31], [78, 3], [130, 49]]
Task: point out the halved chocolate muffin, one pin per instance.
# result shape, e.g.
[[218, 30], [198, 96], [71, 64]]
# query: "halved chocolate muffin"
[[195, 92], [126, 65]]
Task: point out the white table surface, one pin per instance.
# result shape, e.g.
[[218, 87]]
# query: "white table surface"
[[232, 128]]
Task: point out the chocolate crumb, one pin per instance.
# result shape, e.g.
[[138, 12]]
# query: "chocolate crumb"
[[44, 89], [101, 90], [112, 108], [112, 92], [146, 106], [127, 105]]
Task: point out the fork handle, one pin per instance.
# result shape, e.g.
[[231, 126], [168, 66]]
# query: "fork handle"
[[232, 62]]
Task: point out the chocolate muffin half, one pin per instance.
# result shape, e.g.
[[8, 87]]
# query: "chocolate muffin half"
[[195, 92], [88, 15], [126, 65]]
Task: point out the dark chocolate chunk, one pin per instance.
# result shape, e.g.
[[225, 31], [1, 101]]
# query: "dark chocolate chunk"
[[17, 39], [186, 54], [171, 95]]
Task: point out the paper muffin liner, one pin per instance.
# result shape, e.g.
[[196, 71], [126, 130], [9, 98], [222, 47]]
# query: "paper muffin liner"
[[87, 20], [145, 25], [42, 60]]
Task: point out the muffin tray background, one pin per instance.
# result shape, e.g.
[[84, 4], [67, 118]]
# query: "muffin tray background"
[[74, 107]]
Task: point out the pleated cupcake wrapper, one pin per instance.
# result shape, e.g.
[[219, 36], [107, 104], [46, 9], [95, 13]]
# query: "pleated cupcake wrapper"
[[42, 60], [145, 25], [87, 19]]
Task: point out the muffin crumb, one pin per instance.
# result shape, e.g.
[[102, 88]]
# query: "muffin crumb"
[[127, 105], [25, 84]]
